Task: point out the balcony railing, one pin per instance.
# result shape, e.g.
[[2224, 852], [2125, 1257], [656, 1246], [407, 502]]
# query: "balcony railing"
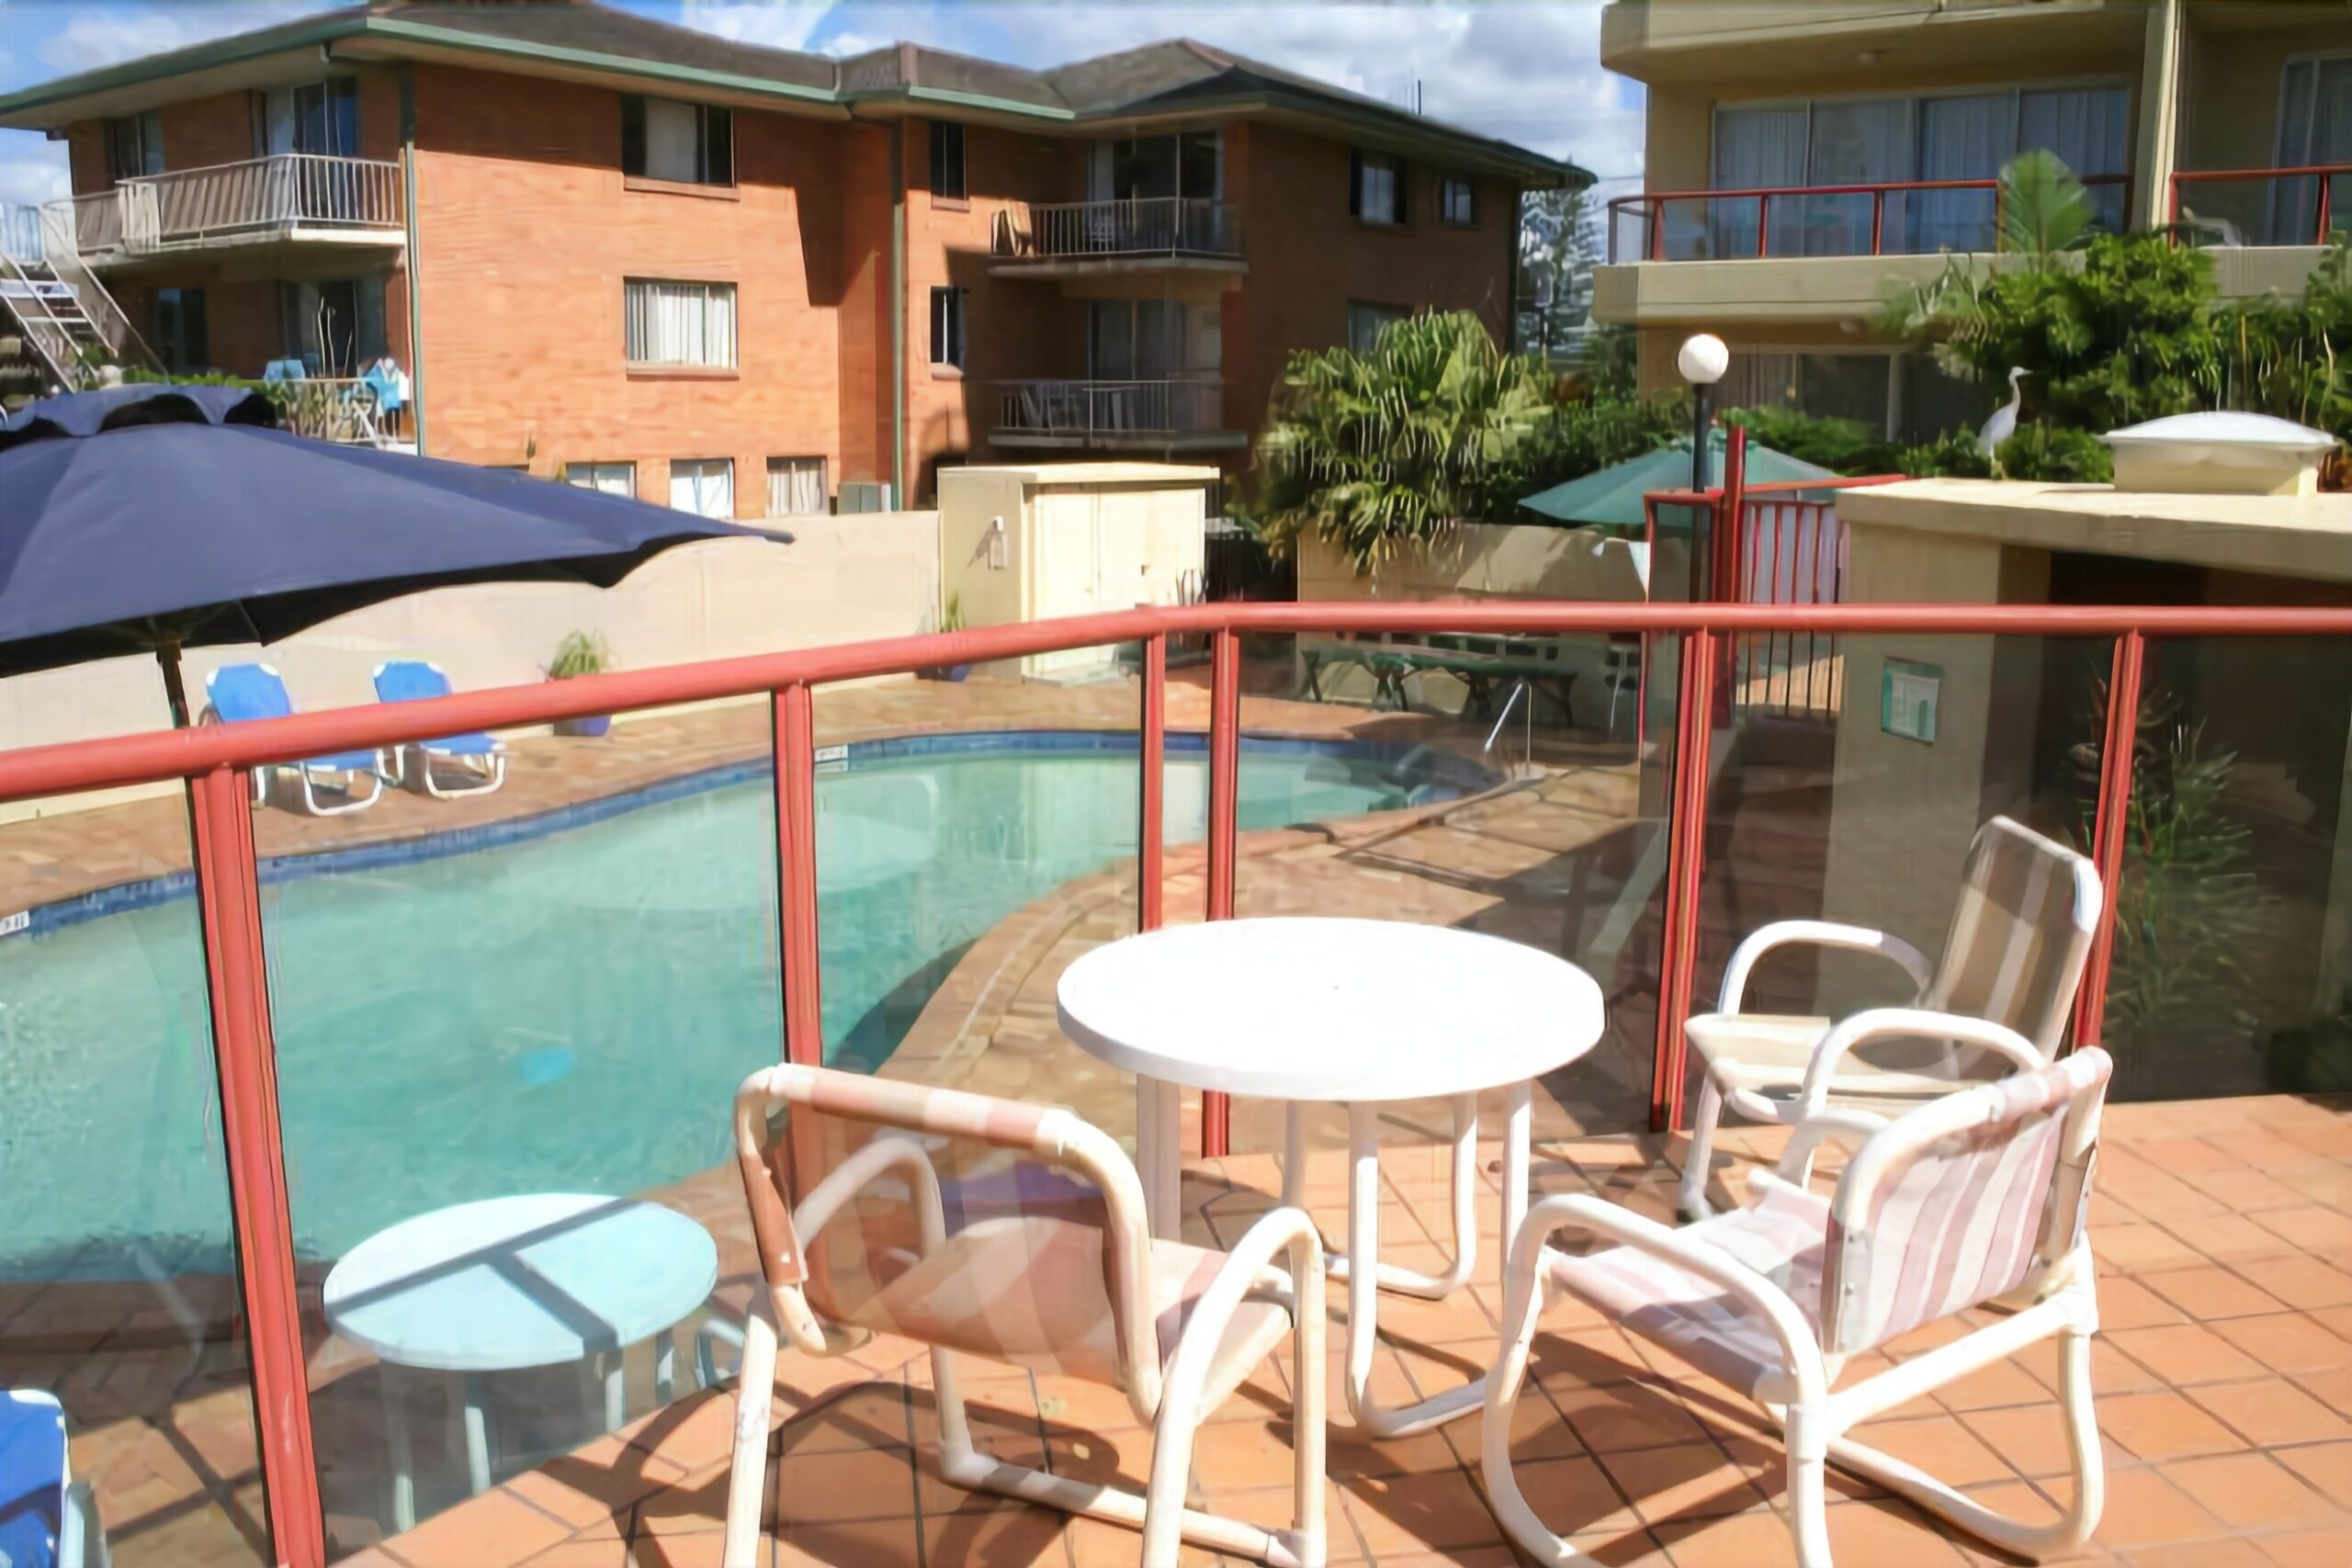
[[1894, 218], [257, 198], [1111, 409], [20, 238], [2295, 205], [337, 408], [1146, 226]]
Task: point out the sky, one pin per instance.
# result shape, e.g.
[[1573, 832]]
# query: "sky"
[[1528, 71]]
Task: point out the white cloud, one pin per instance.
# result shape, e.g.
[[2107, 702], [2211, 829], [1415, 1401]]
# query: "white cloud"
[[1528, 72], [32, 169], [104, 34]]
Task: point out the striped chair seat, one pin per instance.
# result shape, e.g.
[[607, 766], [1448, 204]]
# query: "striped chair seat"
[[1784, 1238], [1029, 1290], [1768, 1052]]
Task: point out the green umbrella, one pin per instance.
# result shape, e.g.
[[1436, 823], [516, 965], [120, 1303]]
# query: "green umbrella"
[[1613, 497]]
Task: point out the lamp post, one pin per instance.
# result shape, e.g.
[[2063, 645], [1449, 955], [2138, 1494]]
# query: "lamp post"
[[1702, 361]]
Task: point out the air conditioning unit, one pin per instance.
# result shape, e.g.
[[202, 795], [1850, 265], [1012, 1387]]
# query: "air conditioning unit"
[[864, 495]]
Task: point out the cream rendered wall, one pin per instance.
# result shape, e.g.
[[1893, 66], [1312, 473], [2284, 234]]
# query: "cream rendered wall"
[[844, 580]]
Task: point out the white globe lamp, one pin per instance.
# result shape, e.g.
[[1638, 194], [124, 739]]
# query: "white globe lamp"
[[1702, 360]]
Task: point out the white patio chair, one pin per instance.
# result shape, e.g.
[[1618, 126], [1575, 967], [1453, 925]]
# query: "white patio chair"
[[1039, 1271], [2019, 936], [1975, 1198]]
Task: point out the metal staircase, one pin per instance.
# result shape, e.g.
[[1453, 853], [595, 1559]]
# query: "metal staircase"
[[71, 329]]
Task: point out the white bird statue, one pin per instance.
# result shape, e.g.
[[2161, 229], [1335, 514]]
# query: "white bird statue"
[[2004, 423]]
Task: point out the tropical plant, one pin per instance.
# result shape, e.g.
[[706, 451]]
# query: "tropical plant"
[[2189, 907], [580, 653], [951, 619], [2043, 208], [1392, 448], [2055, 452]]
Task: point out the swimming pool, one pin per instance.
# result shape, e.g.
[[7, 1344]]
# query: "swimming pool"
[[562, 1004]]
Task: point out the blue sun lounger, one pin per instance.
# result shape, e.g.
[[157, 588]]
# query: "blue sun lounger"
[[47, 1518], [482, 757], [241, 692]]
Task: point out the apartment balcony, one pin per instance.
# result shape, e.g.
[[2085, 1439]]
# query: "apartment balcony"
[[1175, 415], [2265, 229], [304, 200], [1801, 252], [1078, 239]]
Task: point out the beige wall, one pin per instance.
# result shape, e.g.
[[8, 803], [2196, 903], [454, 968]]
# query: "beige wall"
[[843, 579]]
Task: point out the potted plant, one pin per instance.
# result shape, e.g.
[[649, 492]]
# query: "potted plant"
[[582, 653], [952, 621]]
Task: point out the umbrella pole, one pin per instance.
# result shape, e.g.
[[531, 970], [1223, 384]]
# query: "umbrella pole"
[[167, 654]]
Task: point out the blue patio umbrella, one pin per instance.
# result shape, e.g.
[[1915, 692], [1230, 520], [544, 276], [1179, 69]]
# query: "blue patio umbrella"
[[1613, 497], [161, 516]]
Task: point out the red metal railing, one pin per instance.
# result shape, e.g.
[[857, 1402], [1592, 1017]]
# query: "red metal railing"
[[1732, 233], [217, 762], [2232, 216]]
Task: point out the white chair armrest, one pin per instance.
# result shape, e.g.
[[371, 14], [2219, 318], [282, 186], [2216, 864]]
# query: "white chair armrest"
[[1878, 1022], [1849, 1126], [1801, 1353], [1816, 933]]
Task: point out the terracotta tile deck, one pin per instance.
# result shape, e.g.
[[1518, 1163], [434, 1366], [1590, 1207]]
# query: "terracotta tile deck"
[[2225, 1402]]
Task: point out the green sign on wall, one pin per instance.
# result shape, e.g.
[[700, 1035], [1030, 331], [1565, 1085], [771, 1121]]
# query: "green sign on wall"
[[1906, 699]]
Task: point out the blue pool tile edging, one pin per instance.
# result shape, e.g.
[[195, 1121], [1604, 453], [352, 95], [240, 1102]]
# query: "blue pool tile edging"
[[1460, 775]]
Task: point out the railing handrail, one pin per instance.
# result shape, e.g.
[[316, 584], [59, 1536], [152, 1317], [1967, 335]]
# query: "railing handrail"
[[160, 756], [1129, 226], [1127, 201], [165, 174], [2298, 171], [1751, 193]]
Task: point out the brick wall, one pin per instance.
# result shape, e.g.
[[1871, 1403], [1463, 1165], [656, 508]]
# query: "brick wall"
[[1310, 258], [524, 235]]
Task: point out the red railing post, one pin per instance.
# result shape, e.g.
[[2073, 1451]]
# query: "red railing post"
[[1878, 221], [2113, 825], [1763, 222], [1151, 750], [2326, 196], [228, 891], [1658, 231], [1225, 796], [1686, 856], [794, 721], [1730, 532]]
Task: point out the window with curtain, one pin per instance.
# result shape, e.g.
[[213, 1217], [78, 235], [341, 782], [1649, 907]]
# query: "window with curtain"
[[704, 486], [1377, 192], [2090, 130], [612, 479], [1756, 149], [315, 116], [679, 323], [2314, 127], [796, 487], [1457, 201], [662, 138], [1857, 142]]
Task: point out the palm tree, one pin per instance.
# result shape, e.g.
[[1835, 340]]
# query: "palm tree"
[[1392, 446]]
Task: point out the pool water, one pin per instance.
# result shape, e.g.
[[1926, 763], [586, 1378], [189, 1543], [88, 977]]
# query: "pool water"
[[564, 1012]]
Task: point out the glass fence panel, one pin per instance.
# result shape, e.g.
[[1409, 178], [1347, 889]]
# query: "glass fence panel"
[[976, 830], [1848, 777], [511, 1011], [1515, 785], [2233, 966], [118, 1289]]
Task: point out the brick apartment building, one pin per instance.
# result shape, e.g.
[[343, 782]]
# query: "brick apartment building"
[[753, 281]]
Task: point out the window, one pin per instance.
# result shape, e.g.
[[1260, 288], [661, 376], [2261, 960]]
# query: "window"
[[1189, 164], [796, 487], [1152, 340], [1377, 188], [612, 479], [2314, 127], [177, 316], [135, 145], [1366, 323], [947, 160], [704, 486], [1457, 201], [316, 117], [662, 138], [680, 324], [948, 327]]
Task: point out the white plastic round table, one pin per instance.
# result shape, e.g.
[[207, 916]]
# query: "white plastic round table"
[[506, 1283], [1357, 1012]]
